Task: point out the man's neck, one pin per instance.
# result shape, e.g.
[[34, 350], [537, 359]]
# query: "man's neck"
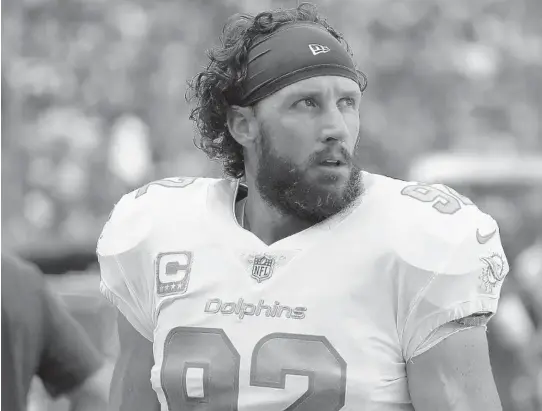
[[265, 221]]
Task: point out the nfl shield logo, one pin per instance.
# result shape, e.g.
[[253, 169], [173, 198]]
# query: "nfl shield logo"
[[263, 266]]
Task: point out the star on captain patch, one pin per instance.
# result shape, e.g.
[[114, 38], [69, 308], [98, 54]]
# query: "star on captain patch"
[[493, 272], [262, 267], [173, 272]]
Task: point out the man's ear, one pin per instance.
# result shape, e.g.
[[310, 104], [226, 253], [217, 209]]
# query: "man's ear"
[[242, 125]]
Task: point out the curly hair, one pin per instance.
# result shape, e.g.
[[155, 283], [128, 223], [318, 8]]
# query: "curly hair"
[[226, 70]]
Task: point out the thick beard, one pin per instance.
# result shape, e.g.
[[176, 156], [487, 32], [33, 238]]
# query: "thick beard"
[[285, 187]]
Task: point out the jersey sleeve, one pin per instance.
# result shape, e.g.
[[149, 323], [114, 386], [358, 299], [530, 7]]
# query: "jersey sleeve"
[[126, 275], [450, 278]]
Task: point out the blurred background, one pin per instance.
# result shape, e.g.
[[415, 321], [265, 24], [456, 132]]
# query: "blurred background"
[[93, 106]]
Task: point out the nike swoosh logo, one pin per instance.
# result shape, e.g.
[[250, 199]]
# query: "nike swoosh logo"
[[482, 239]]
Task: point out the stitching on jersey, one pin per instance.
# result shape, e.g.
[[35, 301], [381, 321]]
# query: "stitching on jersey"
[[413, 305], [120, 302], [438, 340], [132, 292]]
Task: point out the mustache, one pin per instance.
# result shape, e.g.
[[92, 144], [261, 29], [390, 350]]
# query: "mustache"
[[341, 152]]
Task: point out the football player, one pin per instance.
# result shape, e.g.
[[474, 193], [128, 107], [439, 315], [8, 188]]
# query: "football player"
[[300, 281]]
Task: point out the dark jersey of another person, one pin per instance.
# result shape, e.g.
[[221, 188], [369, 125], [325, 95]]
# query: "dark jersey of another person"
[[39, 337]]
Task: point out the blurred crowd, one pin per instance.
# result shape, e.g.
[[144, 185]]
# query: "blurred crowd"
[[93, 105]]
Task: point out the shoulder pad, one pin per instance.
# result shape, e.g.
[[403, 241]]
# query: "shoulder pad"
[[437, 227], [134, 215]]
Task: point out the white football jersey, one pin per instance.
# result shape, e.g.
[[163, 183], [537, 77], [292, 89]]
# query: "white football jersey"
[[325, 319]]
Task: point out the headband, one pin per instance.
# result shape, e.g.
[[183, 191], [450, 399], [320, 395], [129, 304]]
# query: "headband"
[[292, 53]]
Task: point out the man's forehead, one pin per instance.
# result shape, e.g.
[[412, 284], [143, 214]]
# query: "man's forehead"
[[321, 84]]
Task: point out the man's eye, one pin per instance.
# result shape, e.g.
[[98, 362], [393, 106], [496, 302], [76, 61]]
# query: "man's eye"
[[348, 101], [307, 102]]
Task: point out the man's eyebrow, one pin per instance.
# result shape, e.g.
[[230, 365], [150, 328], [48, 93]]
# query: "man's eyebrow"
[[318, 93], [305, 93]]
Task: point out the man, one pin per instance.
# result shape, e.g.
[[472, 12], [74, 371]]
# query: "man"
[[313, 285], [39, 337]]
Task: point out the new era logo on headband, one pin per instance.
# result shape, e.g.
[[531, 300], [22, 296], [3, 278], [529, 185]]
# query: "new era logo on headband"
[[317, 49]]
